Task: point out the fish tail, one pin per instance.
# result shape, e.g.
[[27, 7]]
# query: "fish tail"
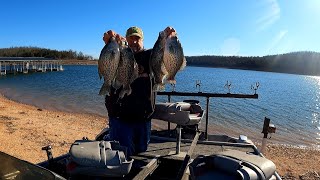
[[171, 81], [163, 78], [159, 87], [116, 84], [126, 90], [105, 89]]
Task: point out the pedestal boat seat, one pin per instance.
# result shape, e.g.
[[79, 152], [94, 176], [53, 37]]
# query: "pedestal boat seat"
[[98, 158], [187, 115], [180, 113]]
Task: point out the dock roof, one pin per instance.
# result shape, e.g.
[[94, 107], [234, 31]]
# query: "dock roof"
[[27, 59]]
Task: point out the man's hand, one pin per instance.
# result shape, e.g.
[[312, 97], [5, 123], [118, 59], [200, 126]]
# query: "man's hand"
[[107, 35], [120, 39], [170, 31]]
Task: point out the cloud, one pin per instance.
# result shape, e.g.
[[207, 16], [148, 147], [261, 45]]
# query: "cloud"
[[270, 16], [230, 47], [276, 40]]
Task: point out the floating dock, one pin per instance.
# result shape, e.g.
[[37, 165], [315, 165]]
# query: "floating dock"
[[18, 65]]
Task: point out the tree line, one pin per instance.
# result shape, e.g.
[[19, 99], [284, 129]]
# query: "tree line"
[[43, 52], [303, 62]]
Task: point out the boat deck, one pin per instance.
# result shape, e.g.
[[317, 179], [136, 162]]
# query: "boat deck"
[[161, 158], [160, 161], [167, 149]]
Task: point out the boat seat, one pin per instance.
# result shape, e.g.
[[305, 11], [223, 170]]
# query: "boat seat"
[[180, 113], [232, 164], [98, 158]]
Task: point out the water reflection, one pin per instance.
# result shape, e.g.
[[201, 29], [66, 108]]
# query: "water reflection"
[[315, 81]]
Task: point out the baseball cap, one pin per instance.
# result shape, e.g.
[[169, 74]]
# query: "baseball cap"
[[134, 31]]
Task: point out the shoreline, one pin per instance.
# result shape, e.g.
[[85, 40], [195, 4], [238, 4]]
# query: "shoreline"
[[95, 62], [25, 129]]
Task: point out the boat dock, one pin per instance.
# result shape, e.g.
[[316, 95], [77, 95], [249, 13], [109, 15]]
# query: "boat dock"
[[24, 65]]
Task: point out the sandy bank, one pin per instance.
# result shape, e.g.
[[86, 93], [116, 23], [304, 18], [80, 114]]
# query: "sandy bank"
[[24, 129]]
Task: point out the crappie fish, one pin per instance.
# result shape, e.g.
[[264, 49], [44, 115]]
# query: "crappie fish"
[[174, 59], [167, 59], [127, 70], [108, 64], [157, 66]]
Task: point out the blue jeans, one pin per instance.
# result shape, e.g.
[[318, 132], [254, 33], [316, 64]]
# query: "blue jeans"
[[134, 136]]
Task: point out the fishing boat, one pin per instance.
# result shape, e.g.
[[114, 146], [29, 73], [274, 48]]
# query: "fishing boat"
[[182, 151]]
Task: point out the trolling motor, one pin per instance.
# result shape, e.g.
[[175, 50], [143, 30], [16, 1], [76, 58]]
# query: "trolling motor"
[[267, 128]]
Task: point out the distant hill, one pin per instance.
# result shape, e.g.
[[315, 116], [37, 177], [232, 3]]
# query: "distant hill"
[[42, 52], [304, 62]]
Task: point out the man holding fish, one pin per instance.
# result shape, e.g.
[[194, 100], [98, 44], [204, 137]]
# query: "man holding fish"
[[131, 77]]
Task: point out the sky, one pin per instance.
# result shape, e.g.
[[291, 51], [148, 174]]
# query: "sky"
[[204, 27]]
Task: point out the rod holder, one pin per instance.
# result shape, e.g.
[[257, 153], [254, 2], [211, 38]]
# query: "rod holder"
[[178, 142], [267, 129], [48, 150]]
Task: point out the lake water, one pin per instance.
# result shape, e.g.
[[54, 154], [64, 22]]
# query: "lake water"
[[292, 102]]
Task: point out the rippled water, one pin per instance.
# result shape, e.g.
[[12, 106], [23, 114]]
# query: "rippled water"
[[292, 102]]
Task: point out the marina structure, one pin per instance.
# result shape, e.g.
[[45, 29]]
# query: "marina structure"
[[16, 65]]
